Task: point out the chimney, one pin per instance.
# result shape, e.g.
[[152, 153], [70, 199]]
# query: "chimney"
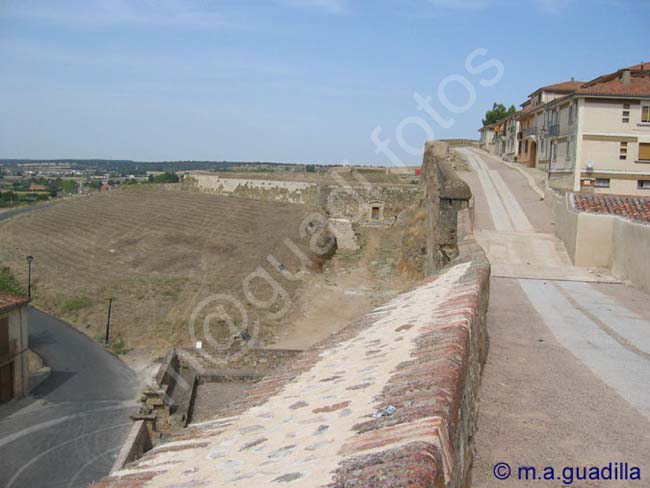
[[625, 77]]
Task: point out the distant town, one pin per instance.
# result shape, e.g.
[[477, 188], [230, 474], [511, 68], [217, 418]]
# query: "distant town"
[[26, 181]]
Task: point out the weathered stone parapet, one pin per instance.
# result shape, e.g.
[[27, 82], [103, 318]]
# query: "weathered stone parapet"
[[445, 194]]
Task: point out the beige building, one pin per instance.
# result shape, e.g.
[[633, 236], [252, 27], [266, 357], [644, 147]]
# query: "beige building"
[[14, 371], [487, 140], [597, 137]]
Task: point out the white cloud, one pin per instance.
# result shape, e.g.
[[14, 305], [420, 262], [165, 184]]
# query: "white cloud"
[[331, 6]]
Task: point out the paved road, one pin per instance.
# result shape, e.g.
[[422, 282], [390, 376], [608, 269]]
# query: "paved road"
[[567, 381], [17, 211], [68, 432]]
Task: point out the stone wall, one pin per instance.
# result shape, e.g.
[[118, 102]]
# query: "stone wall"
[[351, 201], [445, 194], [391, 400]]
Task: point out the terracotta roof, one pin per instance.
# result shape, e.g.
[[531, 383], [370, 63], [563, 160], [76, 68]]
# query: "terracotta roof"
[[9, 301], [637, 208], [562, 87], [639, 86]]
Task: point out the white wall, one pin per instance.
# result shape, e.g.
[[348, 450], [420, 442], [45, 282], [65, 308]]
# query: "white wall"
[[604, 241]]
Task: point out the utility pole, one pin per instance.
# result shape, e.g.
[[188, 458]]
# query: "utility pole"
[[108, 322], [29, 276]]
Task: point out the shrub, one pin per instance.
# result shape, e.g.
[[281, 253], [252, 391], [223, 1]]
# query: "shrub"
[[9, 283], [76, 304]]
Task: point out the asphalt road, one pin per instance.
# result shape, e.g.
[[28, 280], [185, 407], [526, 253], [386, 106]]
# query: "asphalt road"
[[17, 211], [68, 432], [566, 381]]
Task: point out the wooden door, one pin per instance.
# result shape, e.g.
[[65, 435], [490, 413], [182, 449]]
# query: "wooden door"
[[6, 382]]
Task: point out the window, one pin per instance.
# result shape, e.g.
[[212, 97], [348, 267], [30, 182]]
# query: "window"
[[571, 115], [626, 106], [645, 114], [567, 156], [644, 151], [623, 151], [601, 183], [643, 184]]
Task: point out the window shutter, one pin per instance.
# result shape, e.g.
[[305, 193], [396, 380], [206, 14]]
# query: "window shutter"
[[644, 151]]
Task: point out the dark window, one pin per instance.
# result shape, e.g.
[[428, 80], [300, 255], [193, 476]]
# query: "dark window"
[[602, 183]]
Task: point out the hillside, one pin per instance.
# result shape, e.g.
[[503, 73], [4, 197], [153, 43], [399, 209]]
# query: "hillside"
[[159, 253]]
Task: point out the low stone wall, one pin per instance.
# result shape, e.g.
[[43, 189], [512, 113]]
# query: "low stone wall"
[[603, 240], [137, 443]]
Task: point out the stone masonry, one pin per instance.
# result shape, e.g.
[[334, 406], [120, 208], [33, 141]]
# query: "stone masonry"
[[312, 423]]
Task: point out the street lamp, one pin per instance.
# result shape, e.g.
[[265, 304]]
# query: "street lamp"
[[29, 276], [108, 321]]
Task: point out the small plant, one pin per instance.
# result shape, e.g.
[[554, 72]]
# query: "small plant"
[[117, 346], [76, 304], [9, 283]]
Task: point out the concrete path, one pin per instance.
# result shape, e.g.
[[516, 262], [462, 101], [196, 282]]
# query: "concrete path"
[[68, 432], [567, 381]]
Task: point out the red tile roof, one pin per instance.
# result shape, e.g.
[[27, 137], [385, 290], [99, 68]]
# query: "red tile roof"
[[562, 87], [637, 208], [9, 301], [638, 86]]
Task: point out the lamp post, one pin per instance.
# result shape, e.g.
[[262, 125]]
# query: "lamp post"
[[29, 275], [108, 321]]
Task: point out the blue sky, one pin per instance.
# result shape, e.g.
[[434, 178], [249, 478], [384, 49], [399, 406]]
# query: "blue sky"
[[286, 80]]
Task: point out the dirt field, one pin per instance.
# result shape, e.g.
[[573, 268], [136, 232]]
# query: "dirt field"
[[159, 253], [176, 264]]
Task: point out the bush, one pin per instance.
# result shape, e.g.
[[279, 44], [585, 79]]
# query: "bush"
[[9, 283], [76, 304]]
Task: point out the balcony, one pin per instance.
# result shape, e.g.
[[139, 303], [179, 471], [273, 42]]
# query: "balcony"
[[531, 131], [554, 130]]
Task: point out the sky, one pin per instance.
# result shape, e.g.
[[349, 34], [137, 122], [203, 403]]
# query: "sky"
[[312, 81]]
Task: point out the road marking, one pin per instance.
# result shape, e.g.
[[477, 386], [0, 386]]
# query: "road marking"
[[624, 371], [516, 213], [506, 212], [50, 423], [36, 458], [630, 330], [498, 211]]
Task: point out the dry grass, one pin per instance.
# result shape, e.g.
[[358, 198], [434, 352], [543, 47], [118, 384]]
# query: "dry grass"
[[158, 252]]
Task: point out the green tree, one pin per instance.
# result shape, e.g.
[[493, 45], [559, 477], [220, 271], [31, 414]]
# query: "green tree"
[[497, 113], [69, 186], [166, 177]]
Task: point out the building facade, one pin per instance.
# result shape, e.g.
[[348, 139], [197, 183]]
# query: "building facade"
[[592, 137], [14, 370]]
